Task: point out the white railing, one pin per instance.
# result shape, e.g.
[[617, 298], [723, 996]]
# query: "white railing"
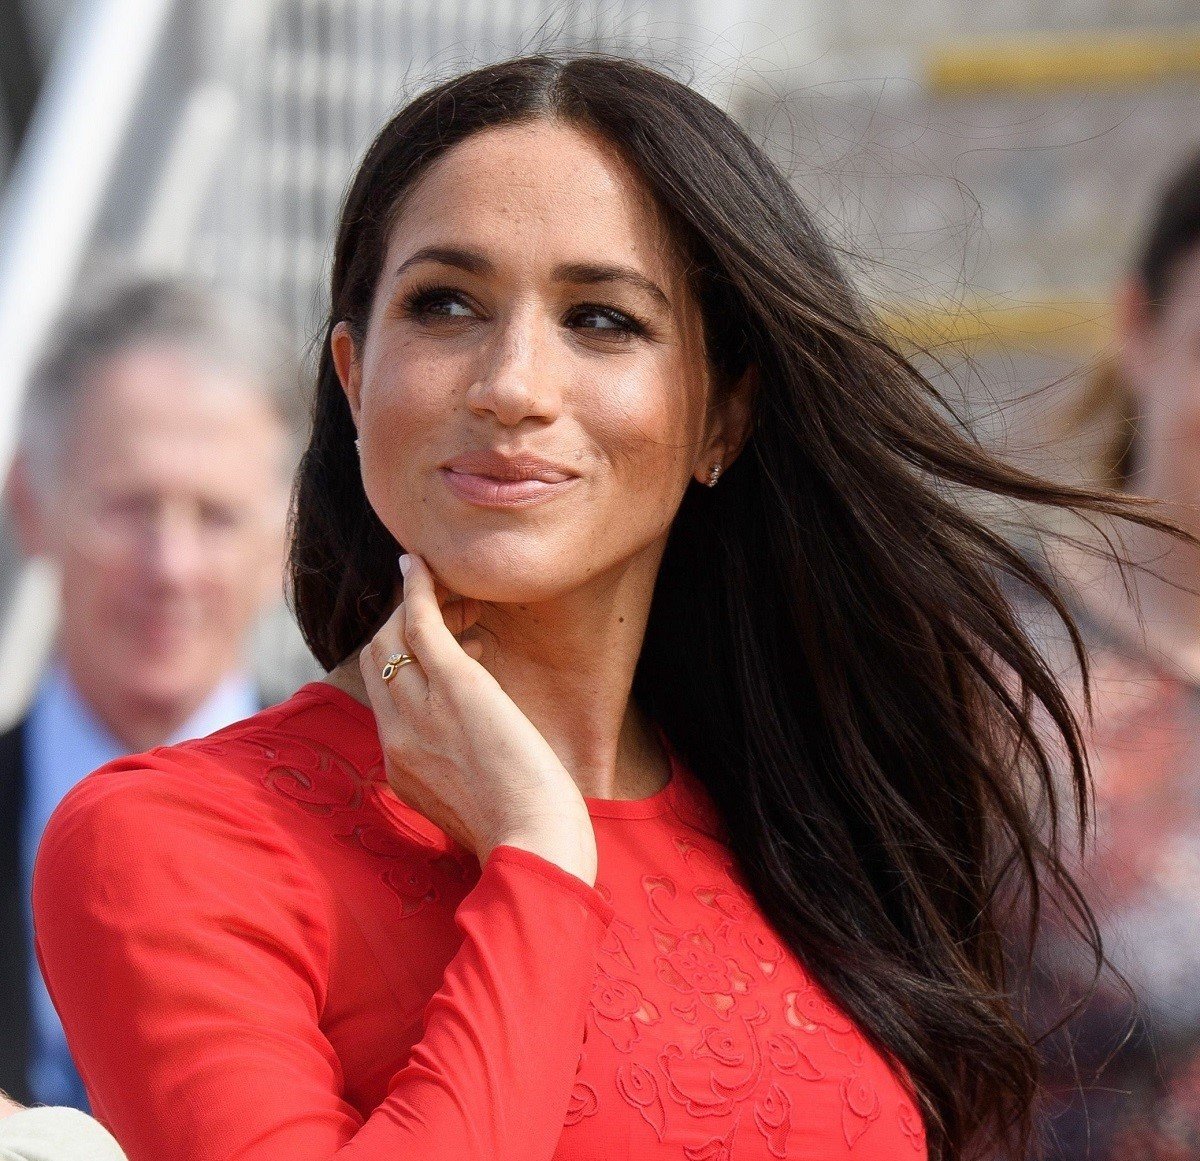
[[269, 116], [62, 173]]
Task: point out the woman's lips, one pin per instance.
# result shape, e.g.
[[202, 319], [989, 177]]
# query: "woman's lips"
[[491, 493]]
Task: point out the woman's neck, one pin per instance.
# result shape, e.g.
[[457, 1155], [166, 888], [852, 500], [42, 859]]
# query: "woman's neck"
[[568, 664]]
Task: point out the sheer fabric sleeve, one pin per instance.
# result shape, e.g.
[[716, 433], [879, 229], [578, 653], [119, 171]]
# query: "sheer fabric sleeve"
[[185, 944]]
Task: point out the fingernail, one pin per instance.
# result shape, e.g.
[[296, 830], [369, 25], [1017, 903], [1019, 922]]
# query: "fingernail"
[[405, 564]]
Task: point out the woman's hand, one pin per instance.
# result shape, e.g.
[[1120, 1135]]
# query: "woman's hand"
[[458, 749]]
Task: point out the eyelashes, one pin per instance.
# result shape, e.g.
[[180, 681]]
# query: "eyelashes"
[[422, 303], [439, 303]]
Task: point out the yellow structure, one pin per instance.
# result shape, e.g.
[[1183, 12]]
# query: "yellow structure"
[[1040, 62]]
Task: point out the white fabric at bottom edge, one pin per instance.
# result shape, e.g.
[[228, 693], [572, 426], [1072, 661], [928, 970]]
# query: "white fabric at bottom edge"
[[56, 1134]]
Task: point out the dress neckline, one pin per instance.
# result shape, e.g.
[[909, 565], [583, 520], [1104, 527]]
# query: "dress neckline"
[[656, 804]]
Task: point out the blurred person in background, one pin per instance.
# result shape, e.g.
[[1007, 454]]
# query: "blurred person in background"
[[155, 452], [1123, 1077]]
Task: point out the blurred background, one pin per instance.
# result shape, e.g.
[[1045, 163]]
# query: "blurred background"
[[988, 169], [993, 162]]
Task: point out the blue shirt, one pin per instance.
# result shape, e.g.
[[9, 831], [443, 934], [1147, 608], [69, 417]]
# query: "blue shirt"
[[64, 741]]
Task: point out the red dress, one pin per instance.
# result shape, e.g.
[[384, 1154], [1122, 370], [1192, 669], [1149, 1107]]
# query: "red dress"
[[259, 952]]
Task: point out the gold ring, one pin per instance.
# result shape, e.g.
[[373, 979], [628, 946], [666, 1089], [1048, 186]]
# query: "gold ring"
[[393, 663]]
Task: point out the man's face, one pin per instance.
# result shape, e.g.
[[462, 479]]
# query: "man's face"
[[166, 518]]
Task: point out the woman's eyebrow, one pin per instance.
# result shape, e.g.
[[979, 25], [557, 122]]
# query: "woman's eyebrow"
[[583, 273], [469, 260], [577, 273]]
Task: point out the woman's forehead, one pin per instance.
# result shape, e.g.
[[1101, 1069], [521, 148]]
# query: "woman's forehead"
[[537, 191]]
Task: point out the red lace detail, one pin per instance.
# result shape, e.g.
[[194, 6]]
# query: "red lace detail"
[[741, 1062], [620, 1011], [773, 1116], [583, 1103], [639, 1086], [707, 972], [314, 777], [323, 783], [911, 1126], [718, 1149], [860, 1106]]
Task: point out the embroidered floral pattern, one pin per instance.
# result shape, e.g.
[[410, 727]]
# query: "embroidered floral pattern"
[[910, 1125], [749, 1031], [691, 966], [738, 1057], [809, 1010], [313, 776], [718, 1149], [719, 1072], [583, 1103], [860, 1106], [324, 784], [619, 1010], [639, 1086], [789, 1058], [773, 1116]]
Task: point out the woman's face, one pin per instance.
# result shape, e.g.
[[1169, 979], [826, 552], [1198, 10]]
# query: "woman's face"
[[1161, 351], [531, 304]]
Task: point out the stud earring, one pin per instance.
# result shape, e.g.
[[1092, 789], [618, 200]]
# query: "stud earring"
[[358, 445], [714, 472]]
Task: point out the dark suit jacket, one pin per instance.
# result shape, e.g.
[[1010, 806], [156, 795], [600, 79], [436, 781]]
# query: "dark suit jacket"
[[14, 949]]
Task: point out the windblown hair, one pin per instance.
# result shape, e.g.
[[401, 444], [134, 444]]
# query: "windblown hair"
[[828, 645]]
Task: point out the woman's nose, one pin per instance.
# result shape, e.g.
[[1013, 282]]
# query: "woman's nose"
[[520, 377]]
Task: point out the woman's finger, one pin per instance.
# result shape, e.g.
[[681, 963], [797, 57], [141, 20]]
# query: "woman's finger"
[[425, 630], [387, 642]]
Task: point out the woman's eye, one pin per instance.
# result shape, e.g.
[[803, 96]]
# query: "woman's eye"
[[438, 303], [605, 322]]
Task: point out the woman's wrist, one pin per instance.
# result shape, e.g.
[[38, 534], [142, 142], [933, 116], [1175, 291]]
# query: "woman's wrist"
[[573, 851]]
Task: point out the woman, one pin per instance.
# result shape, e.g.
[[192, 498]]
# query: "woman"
[[667, 807], [1140, 1063]]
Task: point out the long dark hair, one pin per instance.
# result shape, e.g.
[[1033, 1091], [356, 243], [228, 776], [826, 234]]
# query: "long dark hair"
[[828, 647]]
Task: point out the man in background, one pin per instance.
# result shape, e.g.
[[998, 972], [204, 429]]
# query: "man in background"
[[155, 454]]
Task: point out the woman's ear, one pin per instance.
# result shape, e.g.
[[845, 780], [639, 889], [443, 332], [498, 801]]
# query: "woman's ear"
[[732, 423], [739, 412], [346, 362]]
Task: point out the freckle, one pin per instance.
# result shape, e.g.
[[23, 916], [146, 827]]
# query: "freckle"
[[621, 619]]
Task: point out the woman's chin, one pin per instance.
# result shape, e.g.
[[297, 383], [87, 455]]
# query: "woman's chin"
[[524, 579], [496, 589]]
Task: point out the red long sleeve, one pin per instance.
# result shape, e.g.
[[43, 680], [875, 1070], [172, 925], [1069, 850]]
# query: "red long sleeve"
[[260, 953], [185, 946]]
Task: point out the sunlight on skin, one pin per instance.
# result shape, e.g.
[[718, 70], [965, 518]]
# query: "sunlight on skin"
[[531, 301]]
